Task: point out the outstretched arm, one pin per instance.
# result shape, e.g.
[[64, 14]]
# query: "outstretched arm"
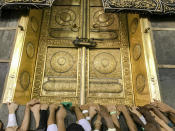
[[128, 118], [26, 119], [12, 107], [60, 116], [114, 114]]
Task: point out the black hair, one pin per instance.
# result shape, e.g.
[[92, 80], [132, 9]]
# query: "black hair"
[[74, 127]]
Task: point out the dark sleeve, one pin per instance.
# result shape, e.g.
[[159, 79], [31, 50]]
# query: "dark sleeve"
[[43, 119], [122, 122]]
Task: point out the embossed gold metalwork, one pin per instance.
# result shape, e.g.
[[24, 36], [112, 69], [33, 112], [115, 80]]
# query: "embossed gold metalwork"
[[28, 58], [83, 74], [150, 60], [30, 50], [134, 25], [139, 70], [24, 80], [34, 24], [99, 74], [140, 83], [137, 51], [10, 88]]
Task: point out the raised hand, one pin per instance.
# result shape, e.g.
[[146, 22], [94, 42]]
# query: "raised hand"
[[61, 114], [12, 107]]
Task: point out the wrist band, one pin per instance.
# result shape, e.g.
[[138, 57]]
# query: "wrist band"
[[143, 120], [88, 118], [118, 117], [85, 111], [113, 112], [170, 124], [111, 129], [12, 121]]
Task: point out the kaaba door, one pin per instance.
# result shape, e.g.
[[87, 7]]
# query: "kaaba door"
[[83, 55]]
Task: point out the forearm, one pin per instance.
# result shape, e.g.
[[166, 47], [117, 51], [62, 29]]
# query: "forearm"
[[109, 122], [26, 120], [161, 116], [115, 120], [78, 113], [129, 121], [161, 122], [172, 110], [61, 125], [51, 119]]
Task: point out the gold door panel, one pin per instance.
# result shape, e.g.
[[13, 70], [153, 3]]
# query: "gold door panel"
[[105, 74], [104, 28], [64, 22], [64, 71], [60, 77], [57, 73], [109, 79]]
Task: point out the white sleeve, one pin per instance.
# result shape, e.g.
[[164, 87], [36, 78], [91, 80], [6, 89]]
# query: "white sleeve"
[[12, 120], [111, 129], [85, 124], [52, 127]]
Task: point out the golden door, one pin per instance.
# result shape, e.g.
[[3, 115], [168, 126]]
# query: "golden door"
[[83, 55], [75, 52]]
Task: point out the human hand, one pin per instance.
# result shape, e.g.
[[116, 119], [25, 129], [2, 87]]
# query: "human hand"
[[121, 108], [98, 122], [93, 110], [162, 106], [103, 112], [32, 102], [35, 108], [53, 107], [135, 111], [61, 113], [84, 107], [111, 108], [44, 106], [12, 107]]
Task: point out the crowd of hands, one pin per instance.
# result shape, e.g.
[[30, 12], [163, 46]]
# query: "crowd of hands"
[[155, 116]]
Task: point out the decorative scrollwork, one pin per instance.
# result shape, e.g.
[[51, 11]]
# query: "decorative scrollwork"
[[61, 62], [134, 25], [30, 50], [137, 52], [140, 83], [34, 24], [105, 63], [66, 17], [15, 4], [103, 19], [149, 6], [25, 80]]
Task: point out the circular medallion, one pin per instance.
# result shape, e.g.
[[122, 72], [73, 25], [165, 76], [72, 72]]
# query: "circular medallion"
[[103, 19], [140, 83], [30, 50], [34, 24], [105, 63], [65, 17], [61, 62], [134, 25], [137, 52], [25, 80]]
